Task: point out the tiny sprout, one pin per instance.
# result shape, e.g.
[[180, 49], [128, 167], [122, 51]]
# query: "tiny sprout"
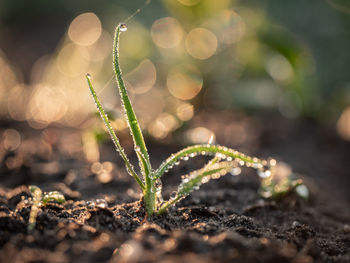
[[282, 181], [41, 199], [225, 160]]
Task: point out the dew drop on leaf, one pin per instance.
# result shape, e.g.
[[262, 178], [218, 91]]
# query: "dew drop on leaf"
[[264, 174], [123, 27], [137, 149], [235, 171], [173, 195]]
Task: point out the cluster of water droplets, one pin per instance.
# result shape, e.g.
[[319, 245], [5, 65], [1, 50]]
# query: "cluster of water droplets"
[[53, 196], [228, 161], [158, 188], [223, 154], [100, 203], [266, 168]]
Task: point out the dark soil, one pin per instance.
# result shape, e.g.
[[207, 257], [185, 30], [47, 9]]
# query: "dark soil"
[[225, 221]]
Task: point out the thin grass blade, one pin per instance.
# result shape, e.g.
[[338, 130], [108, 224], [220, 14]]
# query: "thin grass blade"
[[135, 129], [114, 137], [144, 162], [221, 152], [191, 182]]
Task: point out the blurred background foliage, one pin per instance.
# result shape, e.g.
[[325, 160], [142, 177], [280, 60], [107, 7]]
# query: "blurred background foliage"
[[178, 57]]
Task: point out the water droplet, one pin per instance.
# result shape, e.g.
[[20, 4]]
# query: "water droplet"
[[272, 162], [235, 171], [101, 203], [88, 75], [205, 180], [123, 27], [90, 204], [137, 149], [302, 191], [173, 195], [158, 183], [256, 165], [177, 163], [215, 176], [186, 158], [264, 174]]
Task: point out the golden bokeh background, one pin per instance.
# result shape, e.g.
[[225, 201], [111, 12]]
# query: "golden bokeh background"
[[178, 57]]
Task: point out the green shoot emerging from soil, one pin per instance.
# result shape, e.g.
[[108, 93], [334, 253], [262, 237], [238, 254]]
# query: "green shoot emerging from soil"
[[225, 160], [41, 199]]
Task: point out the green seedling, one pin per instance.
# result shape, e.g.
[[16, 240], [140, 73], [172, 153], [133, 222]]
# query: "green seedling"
[[225, 160], [274, 188], [41, 199]]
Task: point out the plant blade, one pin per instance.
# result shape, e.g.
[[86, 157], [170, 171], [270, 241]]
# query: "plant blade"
[[36, 194], [133, 124], [191, 182], [208, 150], [143, 162], [114, 137]]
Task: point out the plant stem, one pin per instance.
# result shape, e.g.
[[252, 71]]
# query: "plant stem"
[[136, 133]]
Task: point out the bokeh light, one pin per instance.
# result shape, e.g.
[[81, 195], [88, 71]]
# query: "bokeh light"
[[229, 26], [73, 60], [46, 105], [279, 68], [189, 2], [11, 139], [246, 57], [167, 32], [8, 80], [200, 135], [17, 102], [101, 48], [185, 111], [201, 43], [163, 124], [184, 82], [85, 29], [343, 124]]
